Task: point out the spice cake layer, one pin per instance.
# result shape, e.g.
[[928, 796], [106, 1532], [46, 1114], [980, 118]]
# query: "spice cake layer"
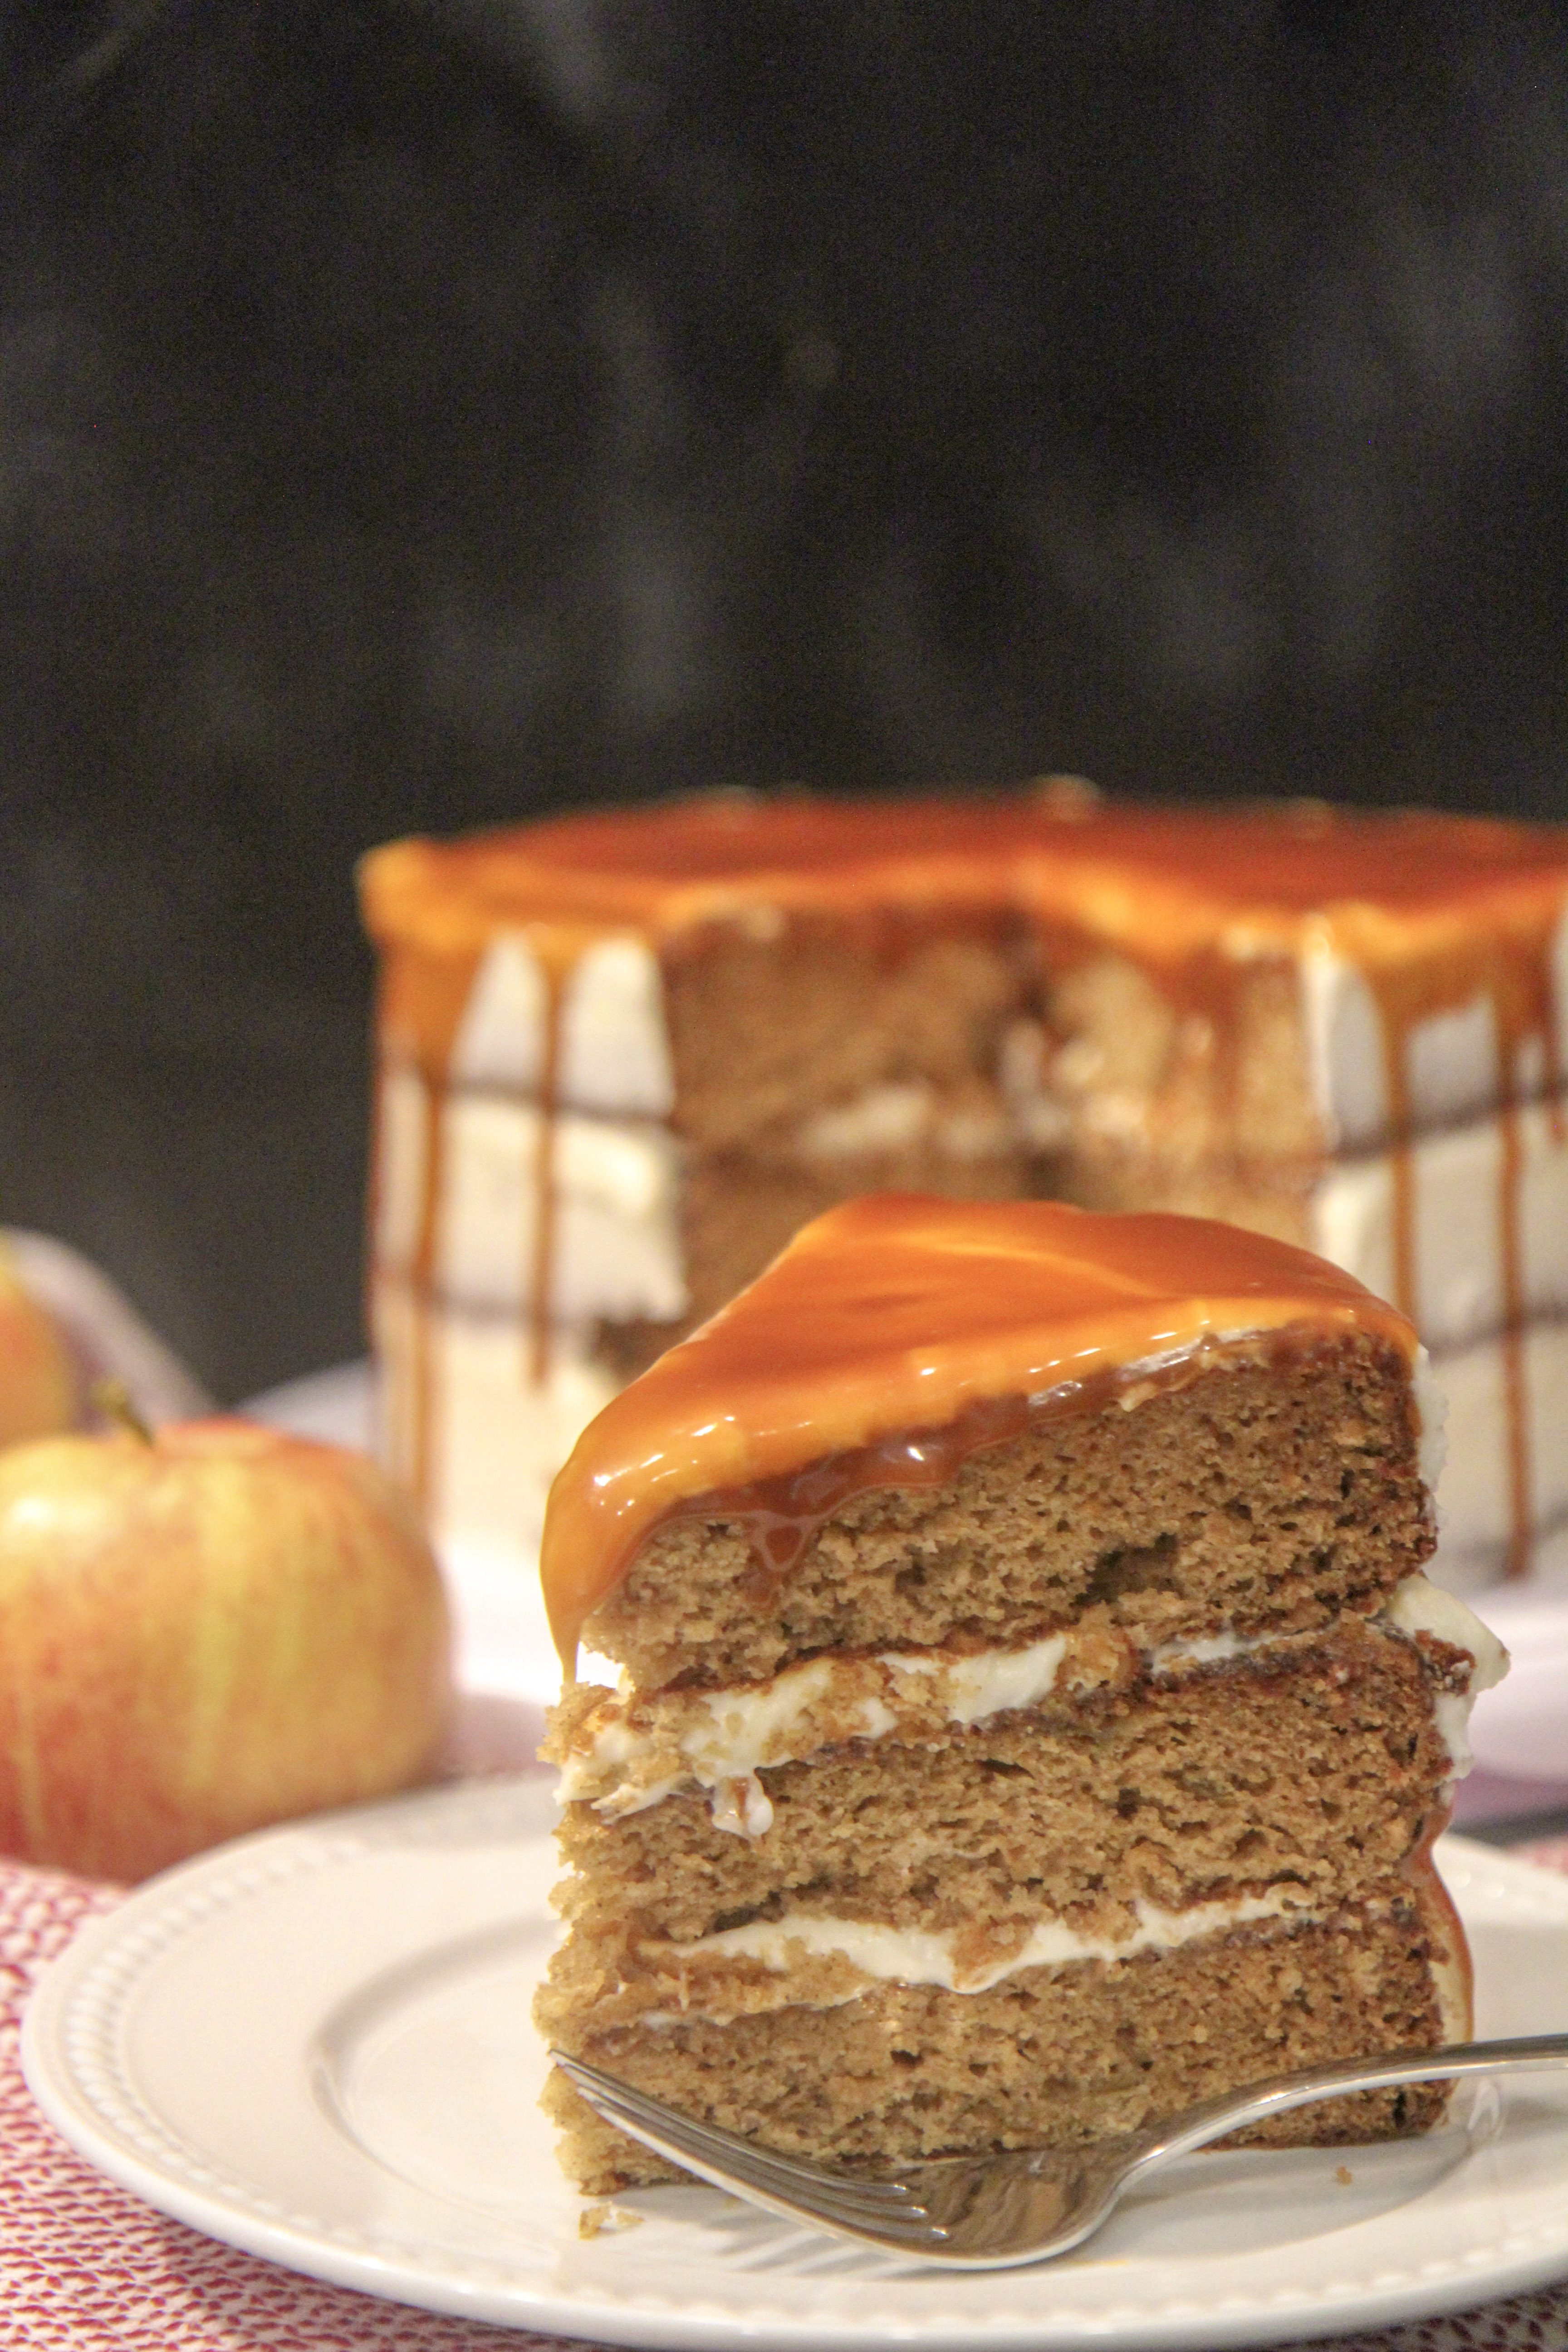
[[1021, 1624]]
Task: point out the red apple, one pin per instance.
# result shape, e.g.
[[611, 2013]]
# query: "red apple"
[[40, 1388], [202, 1632]]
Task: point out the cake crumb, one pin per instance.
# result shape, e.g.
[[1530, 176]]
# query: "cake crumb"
[[1344, 2175], [605, 2220]]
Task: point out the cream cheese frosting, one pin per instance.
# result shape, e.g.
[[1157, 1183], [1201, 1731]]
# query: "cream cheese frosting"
[[614, 1054], [1455, 1178], [615, 1243], [929, 1956], [632, 1756], [720, 1741], [1416, 1607]]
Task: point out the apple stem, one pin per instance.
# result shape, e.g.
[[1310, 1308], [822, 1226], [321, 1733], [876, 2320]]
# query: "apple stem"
[[113, 1400]]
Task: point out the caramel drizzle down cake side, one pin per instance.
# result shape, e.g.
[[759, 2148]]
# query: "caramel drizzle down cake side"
[[1424, 935], [1511, 969], [436, 959]]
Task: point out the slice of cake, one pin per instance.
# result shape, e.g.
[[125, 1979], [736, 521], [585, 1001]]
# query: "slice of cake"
[[626, 1055], [1032, 1715]]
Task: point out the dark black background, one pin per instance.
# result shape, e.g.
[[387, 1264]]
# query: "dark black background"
[[414, 415]]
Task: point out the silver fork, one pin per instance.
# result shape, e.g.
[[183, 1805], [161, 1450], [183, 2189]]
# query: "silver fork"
[[993, 2212]]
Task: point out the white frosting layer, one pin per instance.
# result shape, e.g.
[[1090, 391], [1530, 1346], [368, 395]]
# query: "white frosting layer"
[[924, 1956], [1432, 1412], [1207, 1649], [1416, 1607], [899, 1118], [495, 1440], [615, 1206], [1455, 1180], [1475, 1506], [1344, 1043], [614, 1052], [992, 1681], [401, 1165], [1453, 1065], [725, 1737]]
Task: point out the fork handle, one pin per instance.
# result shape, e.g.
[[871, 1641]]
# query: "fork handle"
[[1234, 2110]]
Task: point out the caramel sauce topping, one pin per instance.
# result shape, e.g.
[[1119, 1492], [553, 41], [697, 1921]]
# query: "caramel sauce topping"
[[1165, 884], [898, 1317]]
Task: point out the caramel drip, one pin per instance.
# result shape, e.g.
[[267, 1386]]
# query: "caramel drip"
[[421, 1468], [1395, 1024], [1511, 970], [1440, 1918], [897, 1312], [559, 953], [1516, 1390], [544, 1185], [781, 1515], [426, 990], [421, 1007]]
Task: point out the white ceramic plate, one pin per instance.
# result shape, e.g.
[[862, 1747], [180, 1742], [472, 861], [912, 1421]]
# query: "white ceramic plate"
[[315, 2044]]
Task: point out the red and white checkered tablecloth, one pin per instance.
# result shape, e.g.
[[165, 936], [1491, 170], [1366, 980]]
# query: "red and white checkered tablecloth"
[[86, 2268]]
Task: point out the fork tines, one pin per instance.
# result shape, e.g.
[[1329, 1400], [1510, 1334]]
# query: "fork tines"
[[794, 2186]]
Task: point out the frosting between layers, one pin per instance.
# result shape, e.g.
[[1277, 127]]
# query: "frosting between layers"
[[935, 1957], [1417, 1606], [721, 1739], [633, 1755]]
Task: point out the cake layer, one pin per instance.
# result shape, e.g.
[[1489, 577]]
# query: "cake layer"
[[1049, 2055], [898, 1316], [1132, 1504], [1307, 1766], [496, 1438]]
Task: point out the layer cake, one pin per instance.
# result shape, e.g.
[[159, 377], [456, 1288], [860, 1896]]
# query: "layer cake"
[[1032, 1713], [624, 1056]]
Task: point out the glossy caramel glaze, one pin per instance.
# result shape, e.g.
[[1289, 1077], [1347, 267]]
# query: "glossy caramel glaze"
[[898, 1318], [1166, 882]]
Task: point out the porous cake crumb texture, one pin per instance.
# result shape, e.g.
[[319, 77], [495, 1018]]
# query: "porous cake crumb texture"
[[1046, 2057], [1268, 1495]]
